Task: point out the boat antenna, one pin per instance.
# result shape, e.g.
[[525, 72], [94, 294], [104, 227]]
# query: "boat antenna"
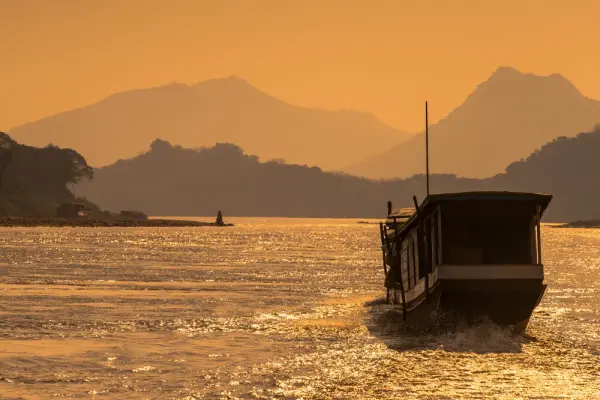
[[427, 146]]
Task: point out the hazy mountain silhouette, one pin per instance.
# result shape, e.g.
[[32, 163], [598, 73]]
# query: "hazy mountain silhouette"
[[504, 119], [170, 180], [219, 110]]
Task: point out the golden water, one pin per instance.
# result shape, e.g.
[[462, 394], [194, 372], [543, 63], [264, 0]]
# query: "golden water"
[[269, 309]]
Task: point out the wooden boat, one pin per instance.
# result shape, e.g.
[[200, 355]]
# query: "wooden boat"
[[469, 255]]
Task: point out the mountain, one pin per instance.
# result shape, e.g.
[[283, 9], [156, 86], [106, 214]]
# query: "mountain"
[[504, 119], [170, 180], [219, 110]]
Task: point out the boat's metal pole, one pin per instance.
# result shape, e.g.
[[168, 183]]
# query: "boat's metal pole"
[[427, 145]]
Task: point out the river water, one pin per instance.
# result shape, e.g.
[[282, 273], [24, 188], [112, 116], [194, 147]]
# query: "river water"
[[269, 309]]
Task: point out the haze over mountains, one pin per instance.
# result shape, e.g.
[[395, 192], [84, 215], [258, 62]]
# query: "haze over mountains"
[[505, 119], [219, 110], [170, 180]]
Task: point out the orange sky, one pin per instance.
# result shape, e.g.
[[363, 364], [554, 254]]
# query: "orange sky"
[[385, 56]]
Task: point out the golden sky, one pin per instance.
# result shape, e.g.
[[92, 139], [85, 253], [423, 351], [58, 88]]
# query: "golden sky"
[[382, 56]]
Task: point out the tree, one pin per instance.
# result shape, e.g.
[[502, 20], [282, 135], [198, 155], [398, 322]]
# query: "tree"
[[6, 154]]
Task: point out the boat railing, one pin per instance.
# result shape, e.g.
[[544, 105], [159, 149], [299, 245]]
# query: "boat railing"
[[384, 246], [390, 244]]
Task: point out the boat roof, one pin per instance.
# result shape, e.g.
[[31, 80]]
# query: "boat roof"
[[541, 199], [432, 200]]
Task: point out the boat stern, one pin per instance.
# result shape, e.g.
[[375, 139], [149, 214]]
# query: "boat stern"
[[506, 294]]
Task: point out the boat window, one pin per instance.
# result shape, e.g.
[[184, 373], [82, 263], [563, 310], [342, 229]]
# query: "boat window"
[[411, 259], [408, 273], [416, 266], [415, 258], [405, 265], [486, 234], [428, 244], [435, 240], [535, 245]]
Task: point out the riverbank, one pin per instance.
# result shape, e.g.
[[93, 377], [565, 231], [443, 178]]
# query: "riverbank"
[[94, 223], [593, 223]]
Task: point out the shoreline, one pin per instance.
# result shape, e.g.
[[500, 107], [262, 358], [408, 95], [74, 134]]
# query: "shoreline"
[[593, 223], [30, 222]]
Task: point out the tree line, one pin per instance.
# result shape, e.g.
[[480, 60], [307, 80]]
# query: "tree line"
[[170, 180], [34, 181]]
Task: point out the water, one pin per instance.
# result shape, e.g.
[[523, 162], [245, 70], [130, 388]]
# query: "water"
[[269, 309]]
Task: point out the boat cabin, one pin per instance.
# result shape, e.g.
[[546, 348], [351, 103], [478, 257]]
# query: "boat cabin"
[[463, 230]]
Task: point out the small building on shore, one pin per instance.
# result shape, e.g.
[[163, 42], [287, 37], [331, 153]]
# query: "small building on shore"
[[73, 210], [132, 214]]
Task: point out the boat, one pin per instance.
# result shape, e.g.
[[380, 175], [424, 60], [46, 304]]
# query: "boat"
[[471, 255], [466, 257]]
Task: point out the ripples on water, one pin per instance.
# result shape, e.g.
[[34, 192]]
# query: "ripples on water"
[[269, 309]]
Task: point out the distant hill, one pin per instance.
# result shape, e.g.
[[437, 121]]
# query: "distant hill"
[[173, 181], [505, 119], [170, 180], [34, 181], [568, 168], [219, 110]]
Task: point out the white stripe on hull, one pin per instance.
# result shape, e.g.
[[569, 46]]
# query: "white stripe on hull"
[[526, 271]]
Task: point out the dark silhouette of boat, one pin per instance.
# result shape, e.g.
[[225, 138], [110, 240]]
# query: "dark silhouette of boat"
[[470, 255], [466, 256]]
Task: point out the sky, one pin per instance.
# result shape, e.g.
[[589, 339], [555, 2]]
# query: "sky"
[[381, 56]]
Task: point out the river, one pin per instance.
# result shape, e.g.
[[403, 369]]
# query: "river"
[[269, 309]]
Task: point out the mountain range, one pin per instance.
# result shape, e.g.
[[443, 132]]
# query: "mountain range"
[[504, 119], [171, 180], [218, 110]]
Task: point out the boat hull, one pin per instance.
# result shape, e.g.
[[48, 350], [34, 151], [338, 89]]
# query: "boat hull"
[[504, 302]]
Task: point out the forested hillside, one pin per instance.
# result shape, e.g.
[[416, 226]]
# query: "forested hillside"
[[34, 181], [170, 180]]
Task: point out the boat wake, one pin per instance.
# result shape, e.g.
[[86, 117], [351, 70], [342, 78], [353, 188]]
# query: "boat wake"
[[436, 333], [483, 337]]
